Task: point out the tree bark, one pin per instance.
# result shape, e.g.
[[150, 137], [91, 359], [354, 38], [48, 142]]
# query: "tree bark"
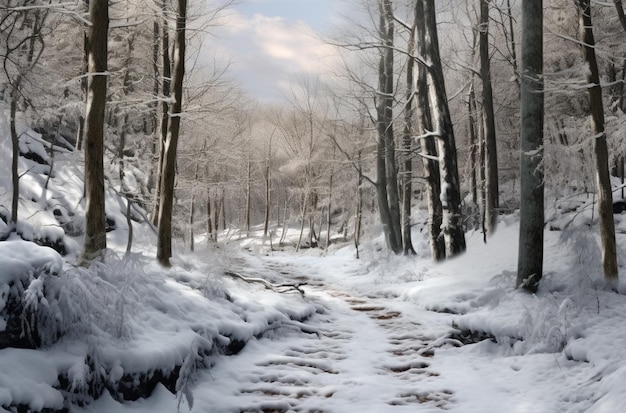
[[386, 182], [209, 218], [530, 256], [491, 164], [452, 223], [15, 154], [95, 227], [165, 116], [471, 128], [407, 149], [603, 183], [164, 241], [268, 195], [358, 216], [427, 143], [191, 213], [620, 13], [330, 200], [248, 193]]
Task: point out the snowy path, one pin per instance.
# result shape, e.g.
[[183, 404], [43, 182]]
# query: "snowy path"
[[367, 356]]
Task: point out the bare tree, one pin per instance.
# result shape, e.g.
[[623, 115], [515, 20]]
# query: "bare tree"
[[168, 175], [165, 107], [95, 229], [530, 256], [386, 174], [23, 43], [605, 196], [430, 158], [452, 222], [491, 164]]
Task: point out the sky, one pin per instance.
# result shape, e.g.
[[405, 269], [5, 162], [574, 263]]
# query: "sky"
[[270, 42]]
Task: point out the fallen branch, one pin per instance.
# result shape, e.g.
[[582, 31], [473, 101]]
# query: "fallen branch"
[[279, 288]]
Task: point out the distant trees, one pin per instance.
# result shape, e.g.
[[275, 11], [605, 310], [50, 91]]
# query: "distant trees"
[[22, 43]]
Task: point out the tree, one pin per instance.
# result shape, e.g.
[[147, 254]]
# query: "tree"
[[168, 174], [530, 255], [95, 233], [165, 106], [491, 160], [605, 196], [407, 148], [427, 142], [452, 223], [23, 43], [386, 174]]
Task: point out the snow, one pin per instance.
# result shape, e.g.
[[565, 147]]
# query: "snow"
[[382, 338], [383, 333]]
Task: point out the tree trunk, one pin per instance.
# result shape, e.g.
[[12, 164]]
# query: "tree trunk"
[[268, 195], [491, 164], [95, 228], [223, 208], [358, 218], [191, 213], [15, 154], [154, 110], [603, 183], [330, 201], [165, 116], [303, 212], [248, 195], [283, 234], [530, 256], [482, 178], [471, 128], [513, 44], [129, 222], [209, 218], [83, 87], [386, 183], [164, 242], [216, 220], [620, 13], [407, 150], [452, 222], [427, 143]]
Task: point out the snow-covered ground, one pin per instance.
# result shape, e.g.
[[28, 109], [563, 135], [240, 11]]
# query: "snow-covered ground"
[[382, 333], [397, 334]]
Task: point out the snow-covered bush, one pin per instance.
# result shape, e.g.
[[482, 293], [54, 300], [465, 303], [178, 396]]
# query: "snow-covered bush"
[[25, 269]]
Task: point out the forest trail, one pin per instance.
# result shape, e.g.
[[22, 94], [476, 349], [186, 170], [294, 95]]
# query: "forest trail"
[[367, 356]]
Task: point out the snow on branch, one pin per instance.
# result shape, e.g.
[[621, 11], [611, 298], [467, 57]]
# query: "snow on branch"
[[279, 288]]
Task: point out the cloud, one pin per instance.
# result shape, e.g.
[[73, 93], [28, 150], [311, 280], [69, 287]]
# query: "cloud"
[[268, 49]]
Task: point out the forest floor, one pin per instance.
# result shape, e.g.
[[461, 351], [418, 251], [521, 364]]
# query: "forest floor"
[[396, 334]]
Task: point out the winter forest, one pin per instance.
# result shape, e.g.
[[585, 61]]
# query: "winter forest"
[[433, 222]]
